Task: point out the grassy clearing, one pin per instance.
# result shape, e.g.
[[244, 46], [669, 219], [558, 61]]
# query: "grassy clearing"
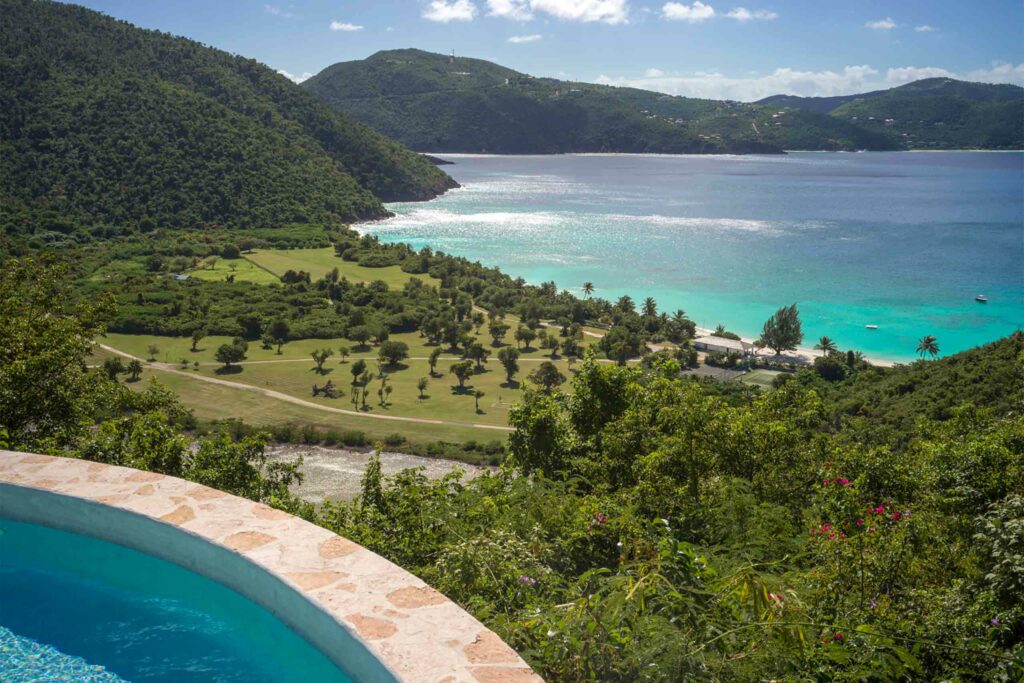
[[760, 378], [319, 262], [443, 399], [176, 349], [217, 270], [213, 402]]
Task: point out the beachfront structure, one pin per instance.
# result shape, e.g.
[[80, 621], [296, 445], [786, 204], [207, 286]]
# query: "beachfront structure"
[[712, 344]]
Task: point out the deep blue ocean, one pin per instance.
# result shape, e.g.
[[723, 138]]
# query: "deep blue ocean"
[[903, 241]]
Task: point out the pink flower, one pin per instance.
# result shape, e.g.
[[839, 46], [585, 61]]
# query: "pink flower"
[[826, 482], [837, 637], [860, 522], [896, 516], [844, 482], [880, 509]]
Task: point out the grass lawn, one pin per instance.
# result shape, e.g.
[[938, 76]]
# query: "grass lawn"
[[319, 262], [442, 399], [760, 378], [174, 349], [266, 266], [243, 270], [213, 402]]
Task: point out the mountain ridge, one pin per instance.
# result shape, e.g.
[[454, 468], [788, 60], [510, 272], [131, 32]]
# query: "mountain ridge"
[[107, 124], [430, 101]]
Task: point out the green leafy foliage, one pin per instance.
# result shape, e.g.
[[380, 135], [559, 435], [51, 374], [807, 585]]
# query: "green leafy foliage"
[[430, 102], [104, 124]]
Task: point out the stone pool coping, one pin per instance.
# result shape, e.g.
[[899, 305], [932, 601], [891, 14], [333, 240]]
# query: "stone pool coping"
[[417, 633]]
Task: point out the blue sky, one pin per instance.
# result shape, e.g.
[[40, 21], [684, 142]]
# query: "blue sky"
[[743, 50]]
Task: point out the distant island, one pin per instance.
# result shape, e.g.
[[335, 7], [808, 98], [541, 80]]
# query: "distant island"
[[934, 113], [432, 102]]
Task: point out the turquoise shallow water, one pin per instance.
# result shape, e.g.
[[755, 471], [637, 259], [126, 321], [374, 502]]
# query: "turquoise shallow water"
[[900, 240], [74, 608]]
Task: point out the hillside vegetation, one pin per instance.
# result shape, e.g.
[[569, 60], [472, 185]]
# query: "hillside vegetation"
[[431, 102], [934, 113], [646, 526], [105, 124]]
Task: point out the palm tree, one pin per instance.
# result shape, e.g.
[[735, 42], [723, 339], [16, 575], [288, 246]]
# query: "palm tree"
[[650, 307], [588, 289], [826, 345], [928, 345]]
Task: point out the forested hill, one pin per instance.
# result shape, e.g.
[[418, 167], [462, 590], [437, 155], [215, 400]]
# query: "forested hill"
[[432, 102], [106, 124], [934, 113]]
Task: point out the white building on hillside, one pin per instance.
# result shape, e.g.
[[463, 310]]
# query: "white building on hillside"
[[721, 345]]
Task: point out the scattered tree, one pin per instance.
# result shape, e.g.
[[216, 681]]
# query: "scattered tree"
[[197, 336], [393, 352], [478, 353], [344, 352], [783, 331], [508, 356], [152, 350], [462, 370], [357, 369], [134, 369], [320, 357], [477, 395], [928, 345], [113, 367], [547, 376], [230, 353], [421, 385], [435, 355], [826, 345]]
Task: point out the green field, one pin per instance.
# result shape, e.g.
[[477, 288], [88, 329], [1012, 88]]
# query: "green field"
[[760, 378], [293, 372], [266, 266], [212, 402], [217, 270]]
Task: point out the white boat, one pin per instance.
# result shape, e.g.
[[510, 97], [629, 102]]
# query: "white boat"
[[871, 327], [981, 298]]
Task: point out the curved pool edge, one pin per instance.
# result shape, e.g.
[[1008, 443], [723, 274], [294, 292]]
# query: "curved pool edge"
[[369, 616]]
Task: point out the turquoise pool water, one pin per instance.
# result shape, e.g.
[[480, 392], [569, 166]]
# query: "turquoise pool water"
[[903, 241], [73, 608]]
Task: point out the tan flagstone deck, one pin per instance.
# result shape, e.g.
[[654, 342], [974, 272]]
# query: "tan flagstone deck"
[[415, 631]]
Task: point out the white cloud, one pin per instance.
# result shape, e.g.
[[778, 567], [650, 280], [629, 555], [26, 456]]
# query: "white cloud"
[[533, 38], [849, 80], [517, 10], [906, 74], [925, 28], [742, 14], [604, 11], [886, 24], [293, 77], [1000, 72], [444, 11], [718, 86], [345, 26], [695, 13], [278, 12], [389, 29]]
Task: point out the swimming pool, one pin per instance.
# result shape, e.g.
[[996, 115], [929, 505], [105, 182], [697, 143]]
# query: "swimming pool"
[[74, 608]]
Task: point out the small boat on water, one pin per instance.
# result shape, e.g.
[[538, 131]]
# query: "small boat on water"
[[871, 327], [981, 299]]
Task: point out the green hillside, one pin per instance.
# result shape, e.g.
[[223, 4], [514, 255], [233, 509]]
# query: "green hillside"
[[433, 102], [106, 124], [934, 113]]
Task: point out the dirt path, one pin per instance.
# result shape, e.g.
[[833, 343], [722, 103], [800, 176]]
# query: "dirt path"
[[270, 393]]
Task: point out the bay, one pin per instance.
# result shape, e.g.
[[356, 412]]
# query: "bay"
[[903, 241]]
